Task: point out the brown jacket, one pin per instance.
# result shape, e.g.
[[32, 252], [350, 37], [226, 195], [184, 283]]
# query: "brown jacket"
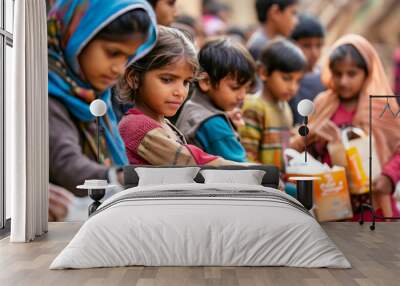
[[68, 165]]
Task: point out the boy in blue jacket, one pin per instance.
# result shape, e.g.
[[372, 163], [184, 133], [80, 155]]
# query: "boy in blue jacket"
[[227, 74]]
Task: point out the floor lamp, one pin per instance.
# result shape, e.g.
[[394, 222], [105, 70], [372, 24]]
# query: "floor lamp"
[[304, 185], [96, 188]]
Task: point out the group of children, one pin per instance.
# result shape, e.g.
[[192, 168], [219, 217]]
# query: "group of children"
[[159, 85], [219, 121], [206, 131]]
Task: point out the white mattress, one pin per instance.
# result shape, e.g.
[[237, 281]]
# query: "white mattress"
[[201, 225]]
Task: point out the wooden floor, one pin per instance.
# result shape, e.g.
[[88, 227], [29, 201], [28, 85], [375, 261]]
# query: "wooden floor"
[[375, 257]]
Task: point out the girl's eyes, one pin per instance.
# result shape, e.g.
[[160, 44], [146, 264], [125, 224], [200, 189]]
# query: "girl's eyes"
[[113, 54], [349, 73], [286, 77], [352, 73], [166, 79]]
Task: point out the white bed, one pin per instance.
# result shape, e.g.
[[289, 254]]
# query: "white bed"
[[201, 225]]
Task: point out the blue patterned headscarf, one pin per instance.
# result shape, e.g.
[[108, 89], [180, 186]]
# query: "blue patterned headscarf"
[[72, 24]]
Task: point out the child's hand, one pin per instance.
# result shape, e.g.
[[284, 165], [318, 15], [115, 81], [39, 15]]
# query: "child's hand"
[[59, 202], [382, 184], [120, 177], [326, 131], [281, 185], [236, 117]]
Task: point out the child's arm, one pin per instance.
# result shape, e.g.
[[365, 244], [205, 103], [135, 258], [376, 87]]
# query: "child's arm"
[[251, 133], [392, 169], [384, 185], [217, 137], [158, 148], [321, 132]]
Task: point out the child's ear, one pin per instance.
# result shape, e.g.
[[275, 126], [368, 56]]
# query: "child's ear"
[[204, 82], [262, 72], [274, 12], [132, 80]]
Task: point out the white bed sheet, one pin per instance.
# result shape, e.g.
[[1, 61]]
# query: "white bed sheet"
[[201, 231]]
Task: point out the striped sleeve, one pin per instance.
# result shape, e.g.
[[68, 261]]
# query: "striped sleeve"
[[271, 149], [158, 148], [251, 133]]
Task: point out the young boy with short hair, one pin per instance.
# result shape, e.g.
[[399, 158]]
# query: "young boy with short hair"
[[165, 11], [276, 18], [267, 116], [309, 35], [227, 74]]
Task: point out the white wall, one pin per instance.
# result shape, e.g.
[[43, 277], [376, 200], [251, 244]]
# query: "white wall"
[[9, 64], [9, 25], [9, 12], [190, 7], [243, 12]]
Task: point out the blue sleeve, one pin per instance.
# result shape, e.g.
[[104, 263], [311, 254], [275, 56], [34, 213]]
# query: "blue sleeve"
[[217, 138]]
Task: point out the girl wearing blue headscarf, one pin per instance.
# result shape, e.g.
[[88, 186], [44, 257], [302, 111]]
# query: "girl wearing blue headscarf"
[[90, 42]]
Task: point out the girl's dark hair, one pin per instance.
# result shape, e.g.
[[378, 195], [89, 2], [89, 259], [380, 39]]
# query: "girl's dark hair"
[[171, 46], [222, 57], [308, 27], [344, 51], [134, 21], [153, 2], [282, 55], [186, 24], [236, 31], [186, 20], [263, 6], [214, 8]]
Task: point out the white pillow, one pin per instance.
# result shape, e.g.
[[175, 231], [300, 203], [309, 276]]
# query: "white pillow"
[[247, 177], [166, 176]]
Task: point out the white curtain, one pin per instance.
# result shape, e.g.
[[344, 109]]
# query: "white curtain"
[[27, 171]]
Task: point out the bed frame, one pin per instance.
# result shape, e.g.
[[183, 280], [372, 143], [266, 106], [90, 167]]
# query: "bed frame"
[[270, 179], [131, 178]]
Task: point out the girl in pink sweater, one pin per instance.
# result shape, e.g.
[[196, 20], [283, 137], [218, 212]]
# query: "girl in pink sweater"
[[158, 84]]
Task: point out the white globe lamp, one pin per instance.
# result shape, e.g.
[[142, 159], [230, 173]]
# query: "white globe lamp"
[[305, 107], [98, 108]]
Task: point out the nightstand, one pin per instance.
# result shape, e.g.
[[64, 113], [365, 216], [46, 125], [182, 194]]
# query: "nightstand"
[[305, 190], [96, 190]]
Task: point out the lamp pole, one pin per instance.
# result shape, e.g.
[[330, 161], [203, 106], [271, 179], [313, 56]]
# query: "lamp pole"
[[98, 139], [98, 108], [305, 108]]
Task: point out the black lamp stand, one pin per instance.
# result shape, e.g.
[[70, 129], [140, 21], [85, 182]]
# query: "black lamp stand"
[[305, 185], [96, 194], [303, 131], [305, 192]]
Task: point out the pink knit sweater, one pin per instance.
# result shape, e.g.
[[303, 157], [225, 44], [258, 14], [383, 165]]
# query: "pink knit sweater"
[[133, 128]]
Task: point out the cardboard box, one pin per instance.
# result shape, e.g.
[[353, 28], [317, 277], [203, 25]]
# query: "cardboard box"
[[331, 193]]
